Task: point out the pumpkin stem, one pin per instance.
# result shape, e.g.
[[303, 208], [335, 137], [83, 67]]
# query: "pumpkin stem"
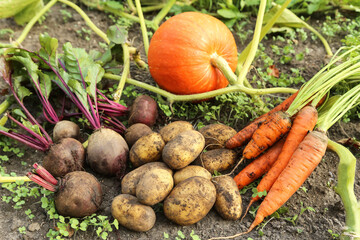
[[220, 63]]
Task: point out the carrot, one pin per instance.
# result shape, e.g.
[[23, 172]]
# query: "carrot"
[[244, 135], [302, 163], [259, 166], [304, 122], [276, 125]]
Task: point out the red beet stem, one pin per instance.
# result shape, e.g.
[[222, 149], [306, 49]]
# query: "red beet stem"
[[45, 174], [35, 178]]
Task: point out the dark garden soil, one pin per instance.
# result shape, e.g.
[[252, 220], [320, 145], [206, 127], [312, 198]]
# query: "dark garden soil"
[[328, 214]]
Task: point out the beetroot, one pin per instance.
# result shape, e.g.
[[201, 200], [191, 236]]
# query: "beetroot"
[[65, 129], [77, 194], [143, 110], [66, 156], [107, 152]]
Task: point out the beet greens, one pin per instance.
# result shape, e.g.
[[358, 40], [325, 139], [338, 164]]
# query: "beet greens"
[[77, 74]]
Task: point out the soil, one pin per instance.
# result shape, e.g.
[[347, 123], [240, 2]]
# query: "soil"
[[328, 211]]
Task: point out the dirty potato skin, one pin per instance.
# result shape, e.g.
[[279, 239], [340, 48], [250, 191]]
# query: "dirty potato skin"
[[79, 195], [173, 129], [217, 159], [216, 135], [136, 131], [147, 149], [131, 179], [132, 214], [183, 149], [190, 201], [228, 199], [154, 186], [191, 171]]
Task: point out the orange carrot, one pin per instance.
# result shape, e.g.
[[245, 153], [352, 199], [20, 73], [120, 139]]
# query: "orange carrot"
[[302, 163], [244, 135], [259, 166], [277, 124], [304, 122]]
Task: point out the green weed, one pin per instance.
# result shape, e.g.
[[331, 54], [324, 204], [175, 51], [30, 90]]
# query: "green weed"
[[66, 15], [181, 235], [22, 230], [6, 33], [333, 234], [100, 224]]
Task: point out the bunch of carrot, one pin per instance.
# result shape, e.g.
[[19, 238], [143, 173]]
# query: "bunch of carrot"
[[289, 162]]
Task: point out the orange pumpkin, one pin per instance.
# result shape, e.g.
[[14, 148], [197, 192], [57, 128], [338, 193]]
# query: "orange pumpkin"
[[180, 52]]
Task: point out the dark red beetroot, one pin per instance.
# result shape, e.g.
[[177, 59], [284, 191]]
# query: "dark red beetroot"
[[107, 152], [143, 110], [77, 194], [66, 156], [65, 129]]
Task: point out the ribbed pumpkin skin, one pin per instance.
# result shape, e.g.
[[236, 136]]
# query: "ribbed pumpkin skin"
[[180, 51]]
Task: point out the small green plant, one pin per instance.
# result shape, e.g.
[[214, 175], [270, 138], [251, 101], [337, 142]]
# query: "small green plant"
[[333, 234], [83, 32], [216, 173], [331, 27], [253, 210], [22, 230], [9, 146], [304, 189], [29, 214], [181, 235], [66, 15], [6, 33], [227, 108], [250, 186], [294, 218], [19, 192], [64, 225], [258, 194]]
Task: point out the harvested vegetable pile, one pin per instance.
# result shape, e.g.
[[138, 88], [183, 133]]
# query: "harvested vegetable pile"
[[156, 134]]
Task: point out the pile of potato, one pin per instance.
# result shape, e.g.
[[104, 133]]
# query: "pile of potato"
[[174, 167]]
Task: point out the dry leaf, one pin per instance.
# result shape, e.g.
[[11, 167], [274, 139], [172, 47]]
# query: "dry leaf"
[[351, 142], [70, 230], [4, 76], [273, 71]]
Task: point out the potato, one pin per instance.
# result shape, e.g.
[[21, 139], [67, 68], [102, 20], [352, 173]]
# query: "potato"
[[191, 171], [190, 201], [216, 135], [172, 129], [228, 199], [147, 149], [136, 131], [154, 186], [131, 180], [132, 214], [217, 159], [183, 149]]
